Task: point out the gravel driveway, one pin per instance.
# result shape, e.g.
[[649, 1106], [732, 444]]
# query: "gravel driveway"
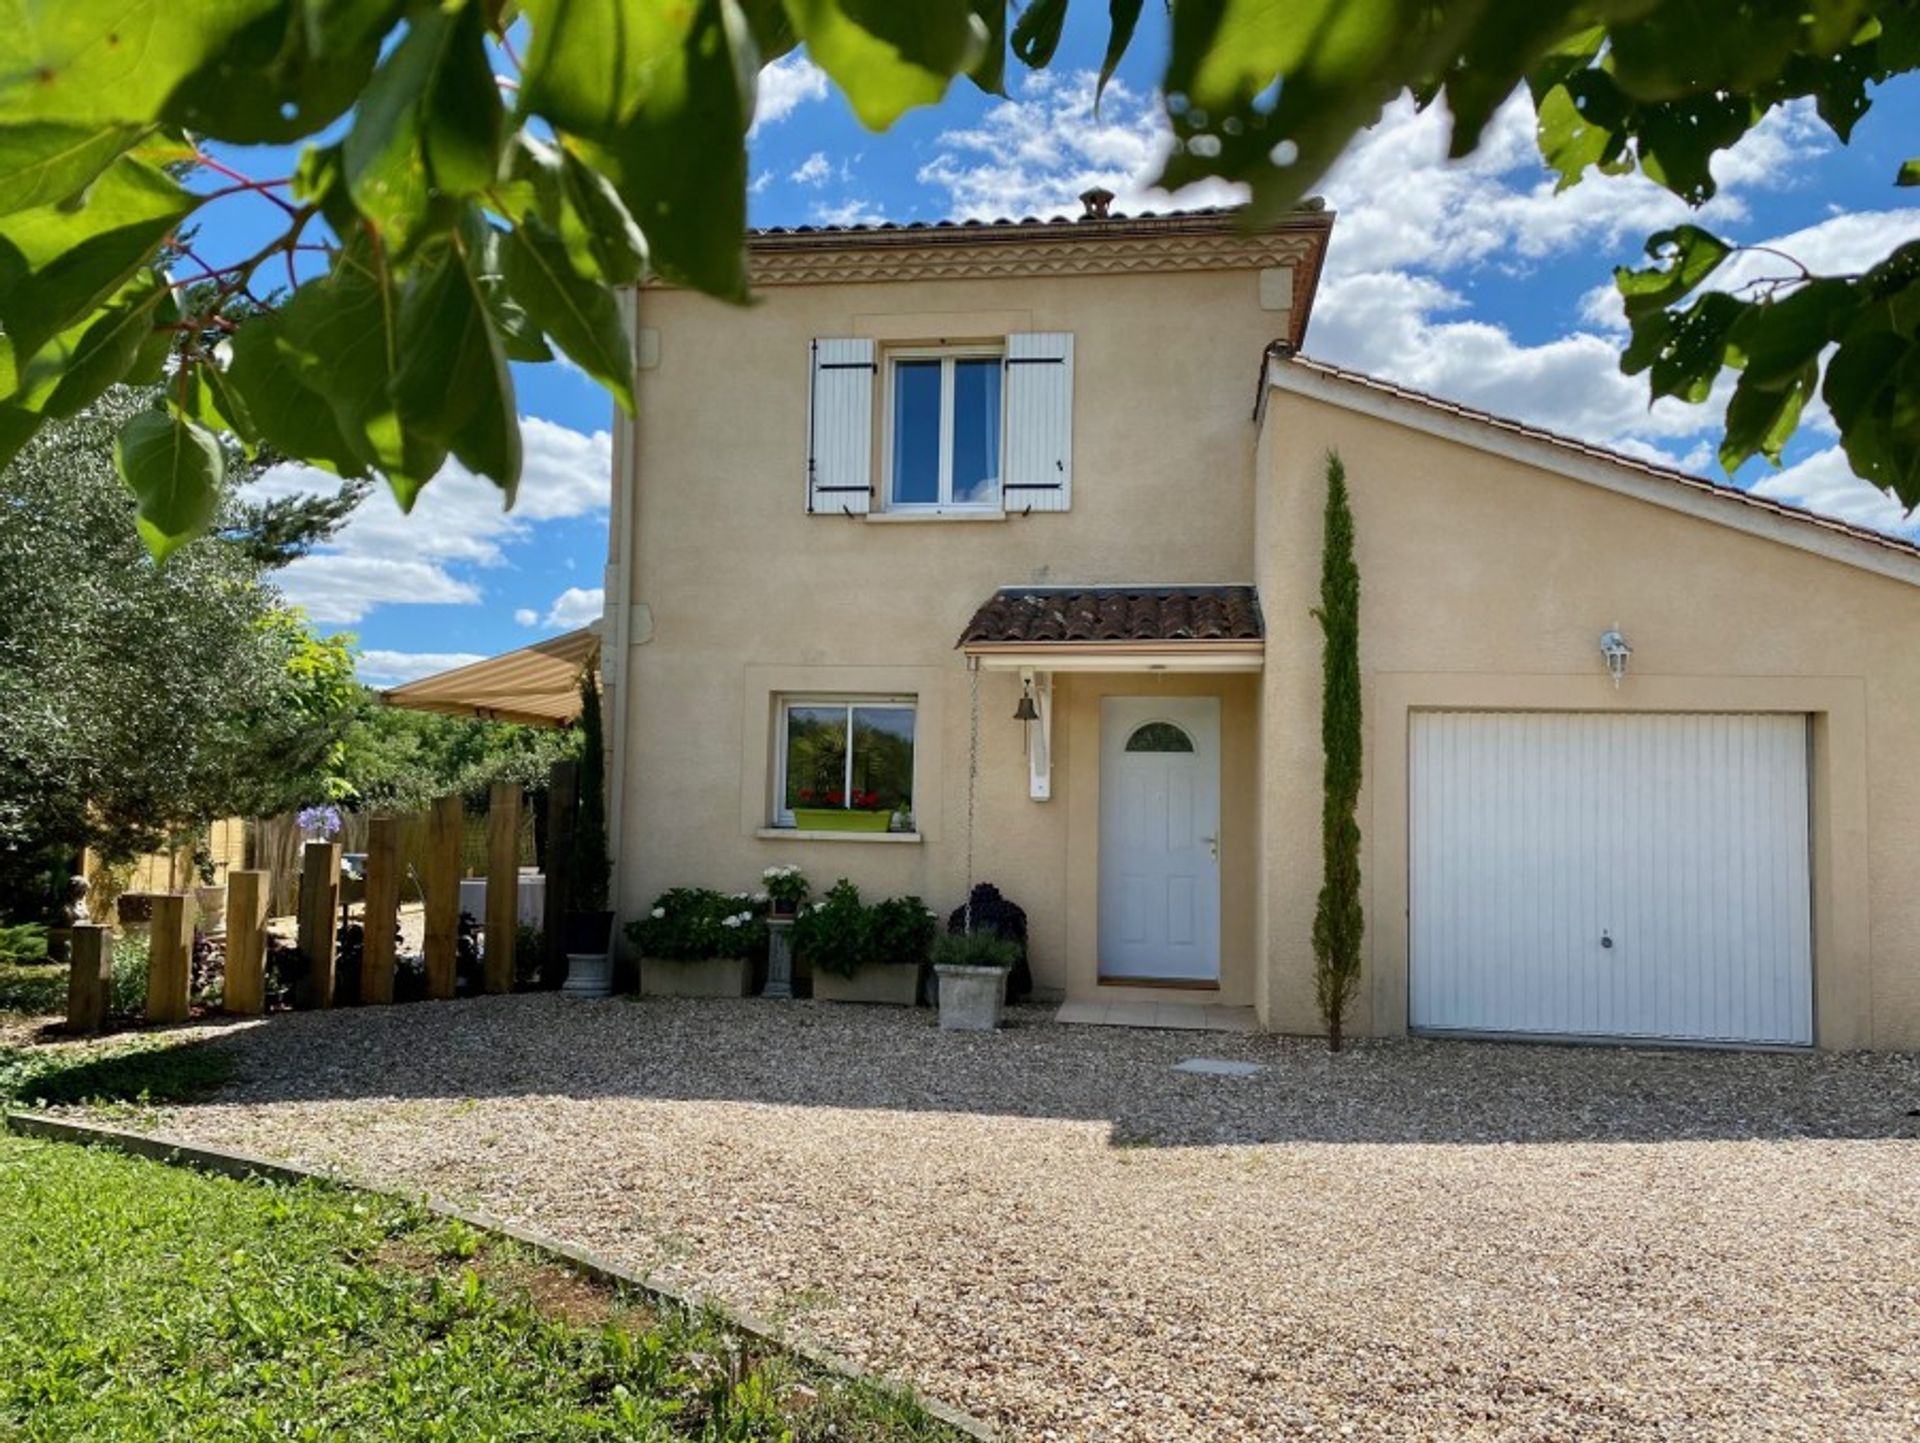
[[1051, 1228]]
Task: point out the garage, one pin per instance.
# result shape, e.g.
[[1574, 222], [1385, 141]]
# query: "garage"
[[1610, 875]]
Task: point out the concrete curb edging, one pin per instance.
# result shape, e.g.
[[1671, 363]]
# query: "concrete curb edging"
[[177, 1152]]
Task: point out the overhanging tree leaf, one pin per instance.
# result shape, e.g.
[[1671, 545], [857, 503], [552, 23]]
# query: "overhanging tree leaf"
[[174, 467], [1689, 253], [46, 162], [271, 403], [58, 263], [989, 69], [1760, 418], [428, 129], [666, 123], [1036, 34], [890, 57], [83, 63], [452, 385], [1124, 16], [77, 365], [580, 315], [600, 235], [1778, 339], [293, 70]]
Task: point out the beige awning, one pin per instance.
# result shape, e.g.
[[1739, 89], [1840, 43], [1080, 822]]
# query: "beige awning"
[[538, 685]]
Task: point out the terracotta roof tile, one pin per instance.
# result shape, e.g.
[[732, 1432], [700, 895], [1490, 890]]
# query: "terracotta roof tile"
[[1040, 614], [1313, 205]]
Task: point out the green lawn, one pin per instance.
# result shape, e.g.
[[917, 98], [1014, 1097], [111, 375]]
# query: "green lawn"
[[139, 1301]]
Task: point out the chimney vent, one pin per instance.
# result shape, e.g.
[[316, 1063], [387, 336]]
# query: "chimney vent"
[[1096, 202]]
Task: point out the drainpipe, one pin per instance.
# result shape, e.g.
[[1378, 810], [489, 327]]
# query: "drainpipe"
[[616, 638]]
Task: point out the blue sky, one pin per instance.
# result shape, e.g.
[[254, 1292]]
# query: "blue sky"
[[1472, 281]]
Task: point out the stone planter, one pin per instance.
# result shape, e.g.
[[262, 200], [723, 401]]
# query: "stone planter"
[[895, 983], [971, 998], [211, 905], [589, 974], [708, 977]]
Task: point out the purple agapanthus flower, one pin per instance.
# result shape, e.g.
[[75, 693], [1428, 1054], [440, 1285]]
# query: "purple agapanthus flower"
[[319, 822]]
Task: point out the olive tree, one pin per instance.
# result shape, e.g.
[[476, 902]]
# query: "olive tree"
[[138, 700]]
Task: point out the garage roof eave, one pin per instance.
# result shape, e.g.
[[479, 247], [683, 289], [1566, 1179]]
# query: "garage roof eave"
[[1895, 557]]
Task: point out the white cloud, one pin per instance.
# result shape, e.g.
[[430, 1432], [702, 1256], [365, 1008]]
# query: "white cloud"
[[390, 668], [1033, 154], [790, 81], [1410, 328], [1824, 482], [526, 616], [855, 210], [1415, 230], [385, 556], [1415, 234], [1402, 203], [816, 169], [760, 183], [577, 606]]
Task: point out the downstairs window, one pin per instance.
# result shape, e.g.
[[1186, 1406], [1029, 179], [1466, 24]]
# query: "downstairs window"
[[845, 764]]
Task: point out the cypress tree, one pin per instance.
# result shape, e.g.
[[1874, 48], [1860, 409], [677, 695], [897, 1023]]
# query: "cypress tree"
[[590, 867], [1338, 922]]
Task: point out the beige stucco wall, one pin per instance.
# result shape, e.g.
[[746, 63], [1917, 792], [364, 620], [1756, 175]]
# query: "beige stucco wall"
[[1486, 582], [748, 596]]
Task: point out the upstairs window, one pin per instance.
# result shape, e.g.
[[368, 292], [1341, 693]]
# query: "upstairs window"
[[941, 430], [944, 434]]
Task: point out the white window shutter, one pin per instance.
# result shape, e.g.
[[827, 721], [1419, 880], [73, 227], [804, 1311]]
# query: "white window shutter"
[[1039, 470], [840, 428]]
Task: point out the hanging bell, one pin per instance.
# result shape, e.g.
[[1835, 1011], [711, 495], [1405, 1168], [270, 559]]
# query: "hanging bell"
[[1026, 711]]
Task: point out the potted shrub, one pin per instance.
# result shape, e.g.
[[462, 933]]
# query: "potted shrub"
[[972, 968], [786, 888], [697, 943], [864, 954], [988, 911], [587, 928]]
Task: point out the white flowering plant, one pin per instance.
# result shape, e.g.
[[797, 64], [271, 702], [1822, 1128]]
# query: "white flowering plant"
[[692, 924], [786, 887]]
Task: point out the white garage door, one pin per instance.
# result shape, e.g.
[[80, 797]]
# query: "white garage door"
[[1610, 876]]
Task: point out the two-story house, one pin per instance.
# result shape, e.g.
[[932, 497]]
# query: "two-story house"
[[990, 550]]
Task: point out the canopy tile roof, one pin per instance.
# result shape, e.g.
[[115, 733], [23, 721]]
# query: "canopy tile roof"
[[1017, 615]]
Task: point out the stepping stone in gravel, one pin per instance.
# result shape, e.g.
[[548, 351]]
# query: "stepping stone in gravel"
[[1218, 1067]]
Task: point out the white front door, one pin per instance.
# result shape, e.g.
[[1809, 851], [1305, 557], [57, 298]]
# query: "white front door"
[[1160, 838]]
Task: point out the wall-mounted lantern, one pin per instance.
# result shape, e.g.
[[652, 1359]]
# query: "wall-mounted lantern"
[[1614, 648]]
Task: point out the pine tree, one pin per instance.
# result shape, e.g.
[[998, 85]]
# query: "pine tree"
[[1338, 922]]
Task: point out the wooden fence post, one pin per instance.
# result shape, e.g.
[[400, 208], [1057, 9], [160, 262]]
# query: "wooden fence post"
[[563, 797], [319, 916], [247, 894], [442, 886], [382, 911], [89, 978], [170, 958], [503, 883]]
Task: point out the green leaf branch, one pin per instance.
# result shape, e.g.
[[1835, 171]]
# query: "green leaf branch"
[[478, 177]]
